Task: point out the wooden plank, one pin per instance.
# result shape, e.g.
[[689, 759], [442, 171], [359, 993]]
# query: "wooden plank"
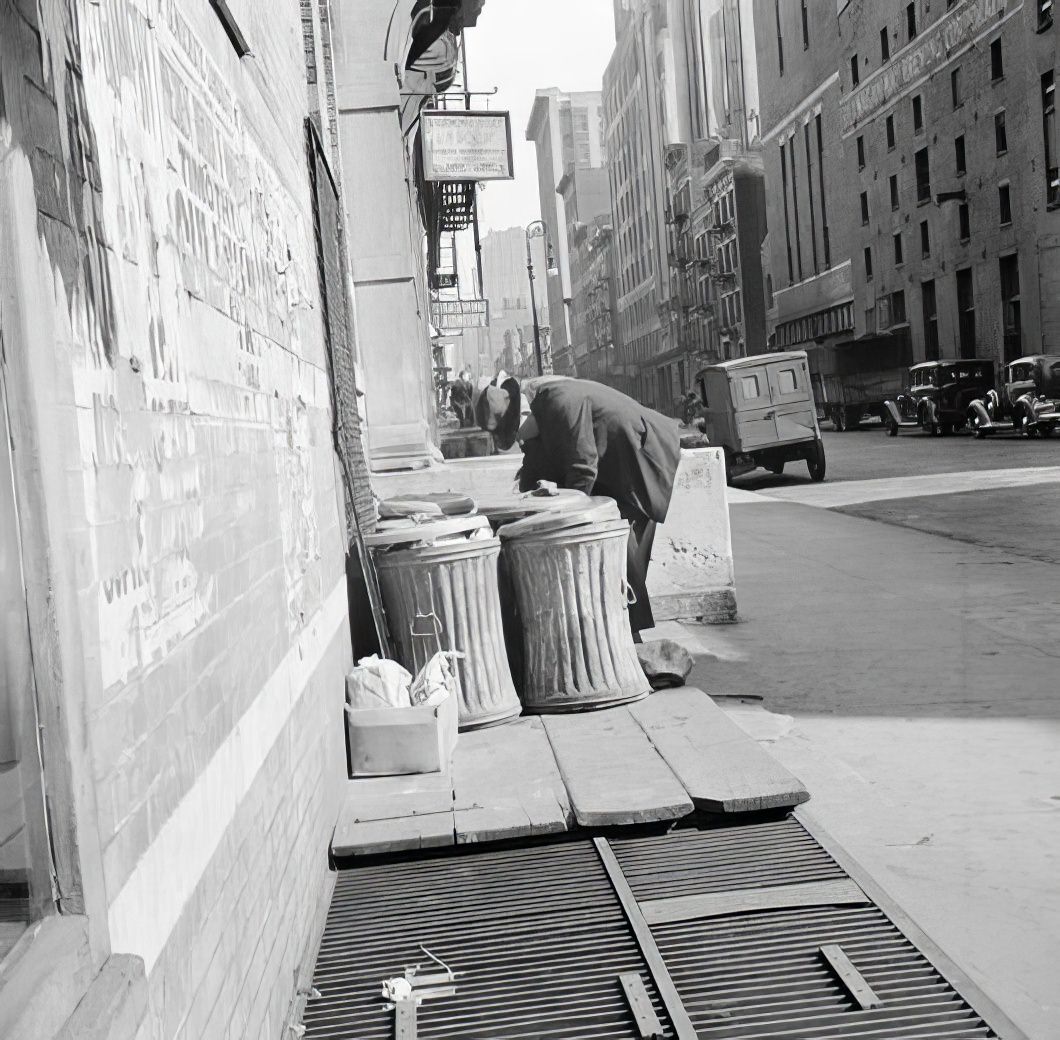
[[506, 784], [852, 979], [389, 797], [721, 767], [648, 1025], [841, 892], [660, 974], [612, 773], [395, 814]]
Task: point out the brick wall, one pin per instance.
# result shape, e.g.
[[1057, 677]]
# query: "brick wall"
[[177, 379]]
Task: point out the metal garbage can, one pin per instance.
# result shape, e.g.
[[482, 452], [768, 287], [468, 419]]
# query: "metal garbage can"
[[569, 574], [439, 586]]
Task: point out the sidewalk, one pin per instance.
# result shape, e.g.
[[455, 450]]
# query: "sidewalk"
[[911, 682]]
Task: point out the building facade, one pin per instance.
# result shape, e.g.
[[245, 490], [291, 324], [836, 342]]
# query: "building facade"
[[586, 200], [634, 111], [567, 130], [683, 74], [809, 285], [949, 126], [178, 508]]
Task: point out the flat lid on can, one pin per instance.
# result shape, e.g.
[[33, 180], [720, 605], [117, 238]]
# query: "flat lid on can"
[[429, 503], [598, 510], [408, 532], [502, 510]]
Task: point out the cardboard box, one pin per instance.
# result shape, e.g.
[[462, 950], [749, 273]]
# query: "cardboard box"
[[397, 741]]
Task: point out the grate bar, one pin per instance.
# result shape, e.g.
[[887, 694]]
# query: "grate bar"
[[663, 983]]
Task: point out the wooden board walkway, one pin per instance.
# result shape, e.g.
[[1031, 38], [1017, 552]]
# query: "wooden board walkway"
[[657, 760], [612, 774], [721, 767], [506, 784]]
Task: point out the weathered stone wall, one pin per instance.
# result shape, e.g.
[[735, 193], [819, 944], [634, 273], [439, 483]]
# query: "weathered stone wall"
[[163, 327]]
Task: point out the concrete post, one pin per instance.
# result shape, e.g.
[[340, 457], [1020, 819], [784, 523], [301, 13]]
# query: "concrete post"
[[370, 39]]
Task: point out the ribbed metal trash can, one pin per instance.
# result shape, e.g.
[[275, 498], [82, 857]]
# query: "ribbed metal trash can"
[[444, 597], [569, 574]]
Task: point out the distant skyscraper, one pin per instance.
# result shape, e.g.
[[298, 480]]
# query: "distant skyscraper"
[[568, 132]]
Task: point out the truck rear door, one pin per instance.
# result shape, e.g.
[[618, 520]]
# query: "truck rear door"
[[755, 415], [792, 400]]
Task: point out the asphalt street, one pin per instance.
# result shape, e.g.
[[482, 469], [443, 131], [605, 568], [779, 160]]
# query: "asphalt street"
[[899, 648]]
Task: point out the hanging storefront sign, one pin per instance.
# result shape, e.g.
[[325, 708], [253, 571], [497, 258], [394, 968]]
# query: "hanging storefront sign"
[[452, 315], [466, 146]]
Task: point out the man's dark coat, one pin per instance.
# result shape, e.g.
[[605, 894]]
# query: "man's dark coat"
[[595, 439]]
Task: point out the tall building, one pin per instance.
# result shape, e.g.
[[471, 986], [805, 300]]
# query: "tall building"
[[586, 199], [948, 118], [809, 281], [567, 130], [634, 112], [683, 74]]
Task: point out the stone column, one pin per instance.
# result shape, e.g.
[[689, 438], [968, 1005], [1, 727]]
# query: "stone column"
[[371, 39]]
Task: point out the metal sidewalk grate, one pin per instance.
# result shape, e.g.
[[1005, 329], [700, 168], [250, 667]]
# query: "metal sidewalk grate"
[[720, 859], [536, 935], [752, 931], [761, 975]]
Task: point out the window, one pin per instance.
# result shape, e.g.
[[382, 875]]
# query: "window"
[[1011, 318], [1004, 204], [805, 27], [1000, 133], [861, 152], [1045, 14], [918, 114], [825, 236], [925, 239], [786, 379], [749, 386], [964, 220], [997, 65], [780, 37], [864, 208], [1052, 172], [966, 312], [787, 215], [809, 192], [910, 19], [955, 88], [855, 76], [923, 176], [894, 191], [868, 263], [890, 134], [929, 306], [960, 163], [898, 307], [899, 258], [885, 45]]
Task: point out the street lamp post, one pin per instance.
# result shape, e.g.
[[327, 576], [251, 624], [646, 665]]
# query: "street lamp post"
[[538, 229]]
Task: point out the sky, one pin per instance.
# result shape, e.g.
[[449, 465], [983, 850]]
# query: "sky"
[[519, 46]]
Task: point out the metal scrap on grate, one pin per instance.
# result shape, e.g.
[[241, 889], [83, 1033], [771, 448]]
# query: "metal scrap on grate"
[[536, 935]]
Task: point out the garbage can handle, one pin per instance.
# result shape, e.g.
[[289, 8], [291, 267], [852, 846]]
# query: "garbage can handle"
[[628, 594]]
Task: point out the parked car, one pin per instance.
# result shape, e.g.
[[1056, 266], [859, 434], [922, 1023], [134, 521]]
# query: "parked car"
[[939, 395], [1027, 404], [760, 410], [852, 379]]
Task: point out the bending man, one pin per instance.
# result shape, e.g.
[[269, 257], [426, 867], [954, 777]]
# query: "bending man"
[[592, 438]]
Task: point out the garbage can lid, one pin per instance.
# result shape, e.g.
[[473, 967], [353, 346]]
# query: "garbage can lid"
[[427, 503], [598, 510], [407, 532], [504, 510]]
